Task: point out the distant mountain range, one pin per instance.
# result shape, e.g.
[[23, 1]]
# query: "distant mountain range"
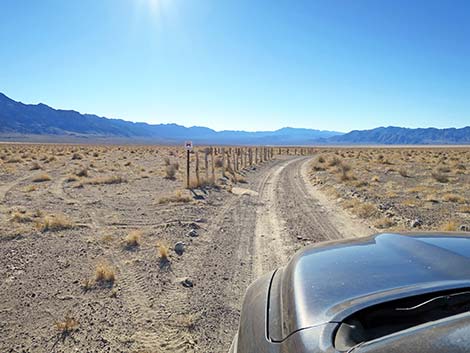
[[27, 122], [41, 122], [401, 136]]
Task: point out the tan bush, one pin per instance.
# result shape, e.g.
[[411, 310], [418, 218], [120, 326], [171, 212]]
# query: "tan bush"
[[177, 197], [133, 238], [105, 273], [41, 178], [453, 198], [170, 172], [449, 226], [67, 325], [54, 223]]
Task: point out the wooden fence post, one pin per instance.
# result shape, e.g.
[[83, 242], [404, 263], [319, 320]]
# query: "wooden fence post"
[[213, 165], [188, 156], [206, 162], [197, 169]]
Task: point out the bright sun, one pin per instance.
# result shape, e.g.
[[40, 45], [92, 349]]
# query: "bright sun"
[[157, 6]]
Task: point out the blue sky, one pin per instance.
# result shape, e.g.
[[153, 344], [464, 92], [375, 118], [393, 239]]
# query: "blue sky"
[[243, 64]]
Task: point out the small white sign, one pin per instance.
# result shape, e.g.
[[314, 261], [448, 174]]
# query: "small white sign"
[[188, 145]]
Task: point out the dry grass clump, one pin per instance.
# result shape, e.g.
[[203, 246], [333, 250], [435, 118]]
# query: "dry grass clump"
[[384, 223], [344, 169], [163, 251], [449, 226], [54, 223], [20, 217], [403, 172], [35, 166], [363, 210], [464, 209], [443, 169], [41, 178], [66, 326], [453, 198], [177, 197], [105, 273], [187, 321], [318, 168], [87, 284], [335, 161], [105, 180], [30, 188], [133, 239], [170, 172], [83, 172], [442, 178]]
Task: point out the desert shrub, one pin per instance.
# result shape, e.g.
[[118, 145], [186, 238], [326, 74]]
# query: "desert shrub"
[[30, 188], [403, 172], [66, 326], [442, 178], [163, 251], [443, 169], [365, 210], [14, 160], [35, 166], [55, 223], [170, 172], [41, 178], [384, 223], [105, 273], [344, 169], [83, 172], [20, 217], [335, 161], [133, 238], [453, 198], [105, 180], [449, 226], [177, 197]]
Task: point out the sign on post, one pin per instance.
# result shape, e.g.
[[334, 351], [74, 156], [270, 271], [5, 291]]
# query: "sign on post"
[[189, 147]]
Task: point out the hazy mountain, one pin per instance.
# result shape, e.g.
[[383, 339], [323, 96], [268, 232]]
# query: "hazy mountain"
[[402, 136], [41, 121]]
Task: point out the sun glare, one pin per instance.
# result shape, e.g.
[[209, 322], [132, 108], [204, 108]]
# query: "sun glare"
[[157, 7]]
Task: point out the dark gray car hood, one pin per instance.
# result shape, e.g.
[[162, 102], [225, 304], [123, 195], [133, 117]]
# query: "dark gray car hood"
[[327, 282]]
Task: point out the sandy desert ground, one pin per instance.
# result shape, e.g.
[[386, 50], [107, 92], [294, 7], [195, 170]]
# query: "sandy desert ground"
[[399, 189], [104, 250]]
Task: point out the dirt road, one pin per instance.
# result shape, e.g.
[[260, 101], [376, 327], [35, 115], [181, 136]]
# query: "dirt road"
[[258, 230]]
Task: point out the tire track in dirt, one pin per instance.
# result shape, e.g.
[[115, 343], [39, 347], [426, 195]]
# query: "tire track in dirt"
[[270, 250], [57, 189]]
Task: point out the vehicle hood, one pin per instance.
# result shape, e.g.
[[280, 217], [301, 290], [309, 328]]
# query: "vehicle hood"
[[327, 282]]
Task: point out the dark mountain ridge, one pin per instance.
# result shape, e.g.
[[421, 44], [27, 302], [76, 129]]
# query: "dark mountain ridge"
[[27, 119]]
